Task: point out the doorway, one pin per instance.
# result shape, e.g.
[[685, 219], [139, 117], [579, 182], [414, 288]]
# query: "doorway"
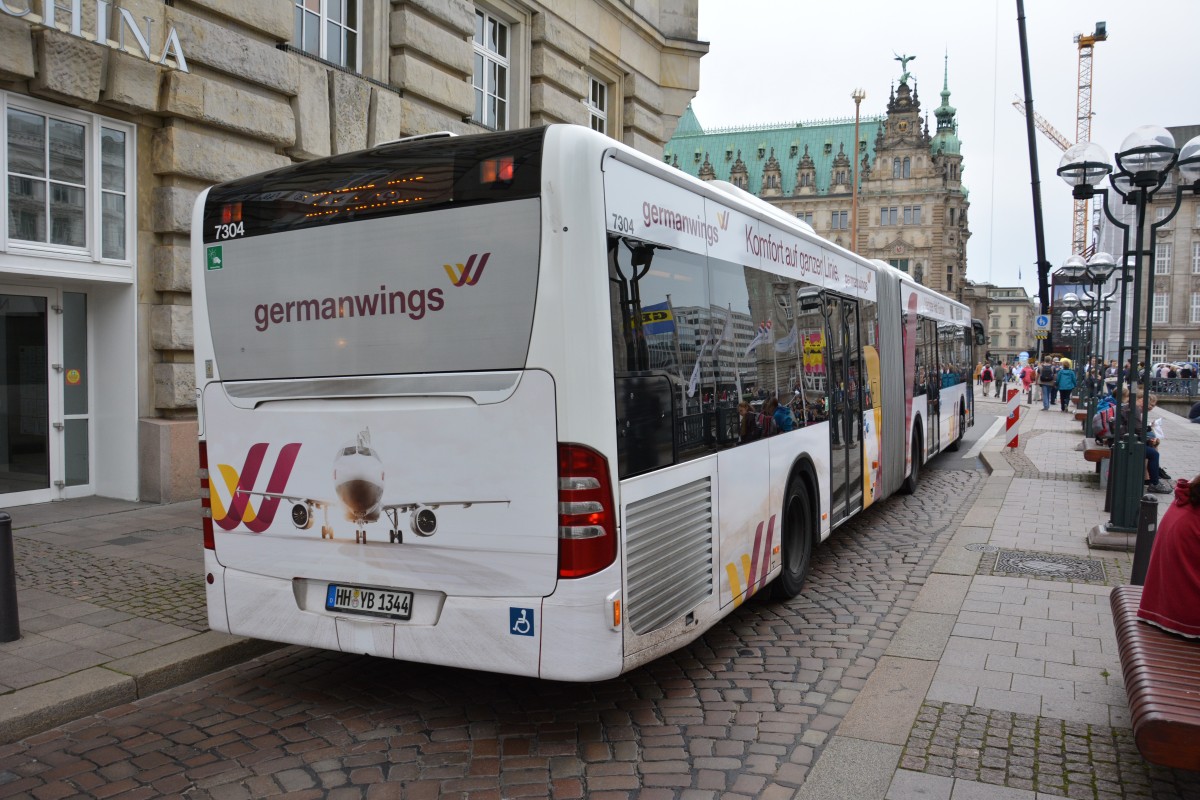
[[44, 416]]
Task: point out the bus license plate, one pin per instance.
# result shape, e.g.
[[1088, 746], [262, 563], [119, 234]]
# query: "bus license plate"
[[377, 602]]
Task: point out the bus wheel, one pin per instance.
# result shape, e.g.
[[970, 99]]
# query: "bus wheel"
[[962, 431], [910, 483], [797, 540]]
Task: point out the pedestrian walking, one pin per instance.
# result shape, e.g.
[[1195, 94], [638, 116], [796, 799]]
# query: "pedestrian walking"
[[1046, 382], [1064, 381], [1028, 375], [985, 375]]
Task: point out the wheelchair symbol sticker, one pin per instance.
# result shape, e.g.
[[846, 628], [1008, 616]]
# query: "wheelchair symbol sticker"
[[520, 621]]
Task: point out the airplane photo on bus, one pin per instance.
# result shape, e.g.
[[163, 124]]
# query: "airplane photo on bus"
[[533, 402]]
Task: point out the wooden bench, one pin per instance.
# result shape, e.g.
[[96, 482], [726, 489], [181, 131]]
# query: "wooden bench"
[[1162, 680], [1094, 455], [1080, 416]]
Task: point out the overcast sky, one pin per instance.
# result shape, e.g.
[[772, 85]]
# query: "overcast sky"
[[794, 60]]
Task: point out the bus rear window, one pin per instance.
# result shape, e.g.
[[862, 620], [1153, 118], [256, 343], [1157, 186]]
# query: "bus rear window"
[[386, 181]]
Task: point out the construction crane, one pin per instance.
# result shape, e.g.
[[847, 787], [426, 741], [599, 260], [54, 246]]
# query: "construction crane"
[[1083, 125]]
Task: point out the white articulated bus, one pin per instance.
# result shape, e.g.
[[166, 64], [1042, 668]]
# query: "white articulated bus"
[[474, 401]]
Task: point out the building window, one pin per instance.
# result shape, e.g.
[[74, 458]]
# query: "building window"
[[1162, 258], [895, 168], [805, 216], [806, 179], [491, 74], [69, 180], [995, 322], [1160, 214], [1158, 350], [952, 216], [906, 166], [597, 104], [887, 216], [840, 220], [912, 215], [1012, 340], [1196, 257], [1161, 307], [329, 29], [1195, 314], [995, 341], [1012, 322], [1194, 350], [899, 263]]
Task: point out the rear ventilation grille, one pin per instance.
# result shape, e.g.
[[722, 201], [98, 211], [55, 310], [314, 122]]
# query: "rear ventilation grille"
[[669, 555]]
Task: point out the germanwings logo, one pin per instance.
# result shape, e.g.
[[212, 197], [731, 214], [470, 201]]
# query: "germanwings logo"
[[753, 568], [240, 510], [723, 220], [468, 274]]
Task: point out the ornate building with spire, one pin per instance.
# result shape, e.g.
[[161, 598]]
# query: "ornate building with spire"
[[912, 204]]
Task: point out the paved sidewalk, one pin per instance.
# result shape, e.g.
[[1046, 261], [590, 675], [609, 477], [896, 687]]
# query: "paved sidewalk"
[[1003, 682], [110, 598]]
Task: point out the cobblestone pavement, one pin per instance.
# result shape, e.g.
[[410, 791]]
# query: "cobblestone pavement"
[[135, 589], [1050, 756], [741, 713]]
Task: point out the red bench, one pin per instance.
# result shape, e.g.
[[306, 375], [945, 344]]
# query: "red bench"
[[1162, 680]]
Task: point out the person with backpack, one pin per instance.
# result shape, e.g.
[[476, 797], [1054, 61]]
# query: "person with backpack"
[[1064, 381], [985, 375], [1046, 382], [1028, 375]]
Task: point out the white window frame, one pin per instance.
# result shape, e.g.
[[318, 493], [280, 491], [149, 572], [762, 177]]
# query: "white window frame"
[[1194, 316], [324, 22], [1196, 258], [1162, 258], [1162, 307], [519, 21], [1194, 350], [1158, 350], [912, 215], [888, 216], [597, 103], [92, 253], [1160, 213]]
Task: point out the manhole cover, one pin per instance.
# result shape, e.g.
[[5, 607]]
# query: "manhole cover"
[[980, 547], [1053, 565]]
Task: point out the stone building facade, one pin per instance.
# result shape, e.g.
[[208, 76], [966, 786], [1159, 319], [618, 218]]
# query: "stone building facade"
[[912, 203], [118, 113]]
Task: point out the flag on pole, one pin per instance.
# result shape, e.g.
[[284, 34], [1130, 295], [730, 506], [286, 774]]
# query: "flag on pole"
[[763, 335], [787, 342]]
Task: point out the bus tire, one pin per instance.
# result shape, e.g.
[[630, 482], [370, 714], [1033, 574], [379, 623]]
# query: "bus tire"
[[962, 431], [797, 540], [910, 483]]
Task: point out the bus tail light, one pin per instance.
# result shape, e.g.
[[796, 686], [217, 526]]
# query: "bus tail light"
[[587, 528], [206, 499]]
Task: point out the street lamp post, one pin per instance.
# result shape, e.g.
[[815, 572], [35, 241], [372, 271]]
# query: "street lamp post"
[[1145, 161], [858, 95]]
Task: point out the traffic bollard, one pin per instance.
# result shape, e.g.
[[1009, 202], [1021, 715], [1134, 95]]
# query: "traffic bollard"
[[1147, 525], [10, 623]]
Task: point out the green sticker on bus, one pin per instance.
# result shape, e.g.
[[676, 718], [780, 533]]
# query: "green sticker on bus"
[[215, 258]]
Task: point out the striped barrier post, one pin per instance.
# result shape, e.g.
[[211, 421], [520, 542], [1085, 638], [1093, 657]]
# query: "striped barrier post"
[[1014, 416]]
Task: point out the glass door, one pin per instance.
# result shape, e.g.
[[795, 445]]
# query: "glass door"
[[29, 447]]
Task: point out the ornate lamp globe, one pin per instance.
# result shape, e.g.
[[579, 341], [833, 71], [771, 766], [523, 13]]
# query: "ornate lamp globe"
[[1189, 161], [1149, 150], [1073, 270], [1081, 315], [1084, 163], [1070, 300], [1067, 317], [1101, 265]]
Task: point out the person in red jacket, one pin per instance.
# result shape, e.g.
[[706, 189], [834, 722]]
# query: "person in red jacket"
[[1171, 595]]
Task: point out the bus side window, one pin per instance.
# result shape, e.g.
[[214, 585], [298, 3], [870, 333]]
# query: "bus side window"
[[662, 328]]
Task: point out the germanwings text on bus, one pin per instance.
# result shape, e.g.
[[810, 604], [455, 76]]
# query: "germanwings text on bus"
[[693, 226], [382, 303]]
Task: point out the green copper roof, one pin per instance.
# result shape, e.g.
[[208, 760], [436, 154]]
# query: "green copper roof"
[[688, 124], [823, 138], [946, 138]]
